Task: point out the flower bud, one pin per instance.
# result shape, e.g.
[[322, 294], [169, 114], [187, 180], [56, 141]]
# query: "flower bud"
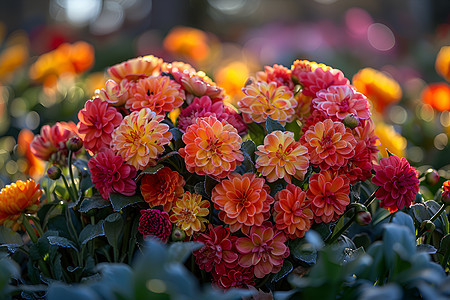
[[351, 121], [445, 197], [178, 234], [432, 176], [427, 226], [54, 172], [74, 143], [363, 218]]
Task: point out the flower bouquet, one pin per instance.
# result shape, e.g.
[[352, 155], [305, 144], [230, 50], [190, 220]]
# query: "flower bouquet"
[[162, 189]]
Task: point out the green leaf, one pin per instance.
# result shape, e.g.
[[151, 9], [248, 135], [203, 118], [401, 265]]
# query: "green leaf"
[[295, 128], [403, 219], [10, 239], [324, 229], [399, 238], [180, 251], [61, 242], [150, 170], [58, 291], [210, 183], [167, 156], [91, 231], [85, 183], [303, 251], [113, 226], [286, 269], [94, 202], [272, 125], [199, 189], [120, 201], [419, 212], [256, 133], [249, 147], [177, 137], [426, 248], [82, 166]]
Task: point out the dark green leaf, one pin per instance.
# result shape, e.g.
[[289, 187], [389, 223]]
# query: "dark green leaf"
[[61, 242], [403, 219], [272, 125], [85, 183], [113, 226], [419, 212], [150, 170], [380, 216], [303, 251], [93, 202], [167, 156], [120, 201], [177, 136], [58, 291], [418, 198], [390, 291], [256, 132], [91, 231], [295, 128], [399, 238], [199, 189], [277, 186], [180, 251], [9, 238], [445, 244], [82, 166], [362, 240], [210, 183], [286, 269], [426, 248], [324, 229], [249, 147]]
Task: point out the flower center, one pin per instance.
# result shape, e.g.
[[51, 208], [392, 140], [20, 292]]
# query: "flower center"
[[186, 215], [329, 197]]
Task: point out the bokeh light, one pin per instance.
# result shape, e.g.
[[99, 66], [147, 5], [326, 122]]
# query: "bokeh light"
[[381, 37]]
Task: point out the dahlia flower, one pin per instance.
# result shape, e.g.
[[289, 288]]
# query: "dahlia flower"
[[204, 107], [140, 138], [97, 122], [380, 88], [153, 222], [51, 143], [198, 85], [329, 195], [329, 144], [282, 157], [136, 68], [338, 101], [109, 173], [115, 93], [219, 252], [292, 212], [278, 74], [212, 147], [160, 94], [237, 277], [18, 198], [162, 188], [264, 249], [264, 100], [188, 213], [445, 197], [398, 183], [242, 201]]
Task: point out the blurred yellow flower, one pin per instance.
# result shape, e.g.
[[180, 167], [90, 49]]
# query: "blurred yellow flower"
[[188, 43], [231, 78], [381, 89], [390, 140], [11, 59], [442, 64]]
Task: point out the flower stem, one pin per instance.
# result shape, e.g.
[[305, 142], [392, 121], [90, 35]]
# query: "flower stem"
[[438, 213], [69, 162], [29, 229], [346, 225], [69, 189], [370, 199]]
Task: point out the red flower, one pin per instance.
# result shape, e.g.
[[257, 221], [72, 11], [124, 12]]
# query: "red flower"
[[398, 183], [237, 277], [162, 188], [278, 74], [329, 195], [155, 223], [445, 197], [219, 252], [97, 122], [110, 174]]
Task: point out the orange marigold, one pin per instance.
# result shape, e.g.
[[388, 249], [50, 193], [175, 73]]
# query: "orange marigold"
[[330, 144], [282, 157], [160, 94], [17, 198], [329, 195], [136, 68], [378, 87], [442, 64], [188, 213], [140, 138], [264, 100], [243, 201], [212, 147], [292, 212], [162, 188]]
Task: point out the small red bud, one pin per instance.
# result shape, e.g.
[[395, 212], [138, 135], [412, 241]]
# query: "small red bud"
[[54, 172], [363, 218], [74, 143], [178, 234], [432, 176]]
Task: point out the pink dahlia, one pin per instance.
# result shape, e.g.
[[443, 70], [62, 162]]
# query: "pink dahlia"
[[97, 122], [278, 74], [398, 183], [264, 249], [338, 101], [115, 93], [155, 223], [110, 174], [219, 252], [318, 79], [237, 277], [204, 107]]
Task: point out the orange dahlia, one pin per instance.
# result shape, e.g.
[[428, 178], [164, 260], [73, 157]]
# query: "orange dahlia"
[[17, 198], [198, 85], [264, 100], [292, 212], [188, 213], [140, 138], [136, 68], [379, 87], [330, 144], [282, 157], [329, 195], [212, 147], [160, 94], [243, 201], [162, 188], [442, 64], [115, 93]]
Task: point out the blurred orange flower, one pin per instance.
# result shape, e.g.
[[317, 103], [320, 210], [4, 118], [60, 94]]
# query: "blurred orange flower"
[[11, 59], [381, 89], [35, 166], [390, 140], [188, 213], [17, 198], [231, 78], [437, 95], [442, 64], [189, 43]]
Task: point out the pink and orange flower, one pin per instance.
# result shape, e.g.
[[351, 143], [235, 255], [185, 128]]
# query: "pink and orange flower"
[[136, 68], [212, 147], [140, 138], [278, 74], [328, 193], [189, 213], [282, 157], [243, 201]]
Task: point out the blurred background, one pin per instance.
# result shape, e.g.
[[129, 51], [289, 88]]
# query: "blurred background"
[[54, 54]]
